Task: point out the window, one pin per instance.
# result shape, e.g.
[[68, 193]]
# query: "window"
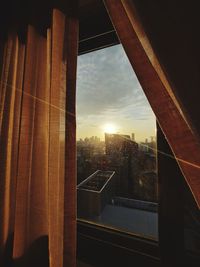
[[116, 146], [120, 246]]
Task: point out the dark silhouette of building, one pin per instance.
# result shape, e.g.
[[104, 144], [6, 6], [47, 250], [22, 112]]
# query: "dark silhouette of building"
[[120, 144]]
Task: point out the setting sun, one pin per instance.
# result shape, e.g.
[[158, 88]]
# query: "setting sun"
[[109, 128]]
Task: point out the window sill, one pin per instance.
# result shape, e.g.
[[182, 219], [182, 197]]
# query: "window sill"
[[104, 246]]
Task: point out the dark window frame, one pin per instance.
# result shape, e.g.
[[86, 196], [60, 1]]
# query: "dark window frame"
[[102, 246]]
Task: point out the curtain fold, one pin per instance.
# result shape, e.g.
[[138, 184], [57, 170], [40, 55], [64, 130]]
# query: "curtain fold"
[[31, 204], [37, 192], [11, 82], [170, 113]]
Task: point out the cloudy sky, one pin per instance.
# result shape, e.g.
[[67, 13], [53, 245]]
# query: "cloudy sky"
[[108, 92]]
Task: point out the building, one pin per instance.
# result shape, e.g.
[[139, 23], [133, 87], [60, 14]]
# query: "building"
[[123, 154], [119, 144], [148, 146]]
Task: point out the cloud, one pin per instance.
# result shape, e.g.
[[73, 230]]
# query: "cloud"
[[108, 88]]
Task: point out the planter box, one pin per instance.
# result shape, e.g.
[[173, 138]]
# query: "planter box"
[[94, 193]]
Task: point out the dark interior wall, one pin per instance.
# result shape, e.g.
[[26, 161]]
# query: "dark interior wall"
[[15, 15], [173, 29]]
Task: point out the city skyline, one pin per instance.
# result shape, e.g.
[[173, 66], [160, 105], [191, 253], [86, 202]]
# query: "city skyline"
[[108, 93], [97, 138]]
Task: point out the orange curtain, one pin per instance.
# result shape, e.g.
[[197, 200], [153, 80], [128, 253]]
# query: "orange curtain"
[[172, 117], [37, 145]]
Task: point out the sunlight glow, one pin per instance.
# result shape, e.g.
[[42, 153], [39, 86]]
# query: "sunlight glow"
[[110, 128]]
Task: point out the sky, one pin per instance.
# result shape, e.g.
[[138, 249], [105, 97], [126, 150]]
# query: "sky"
[[108, 93]]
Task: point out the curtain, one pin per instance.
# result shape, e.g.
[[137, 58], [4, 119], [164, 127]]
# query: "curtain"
[[37, 143], [170, 112]]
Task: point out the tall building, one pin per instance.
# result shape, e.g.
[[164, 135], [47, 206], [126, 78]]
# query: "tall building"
[[123, 153], [133, 136], [119, 144]]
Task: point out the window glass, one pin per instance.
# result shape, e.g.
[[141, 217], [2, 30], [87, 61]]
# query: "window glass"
[[116, 145]]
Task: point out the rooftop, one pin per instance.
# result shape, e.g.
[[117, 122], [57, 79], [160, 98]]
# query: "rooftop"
[[137, 221]]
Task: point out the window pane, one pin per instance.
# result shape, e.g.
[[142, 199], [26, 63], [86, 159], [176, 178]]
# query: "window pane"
[[116, 145]]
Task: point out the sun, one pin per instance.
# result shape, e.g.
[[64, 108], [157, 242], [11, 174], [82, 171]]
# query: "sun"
[[110, 128]]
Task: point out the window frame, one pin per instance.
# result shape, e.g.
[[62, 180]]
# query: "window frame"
[[93, 237]]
